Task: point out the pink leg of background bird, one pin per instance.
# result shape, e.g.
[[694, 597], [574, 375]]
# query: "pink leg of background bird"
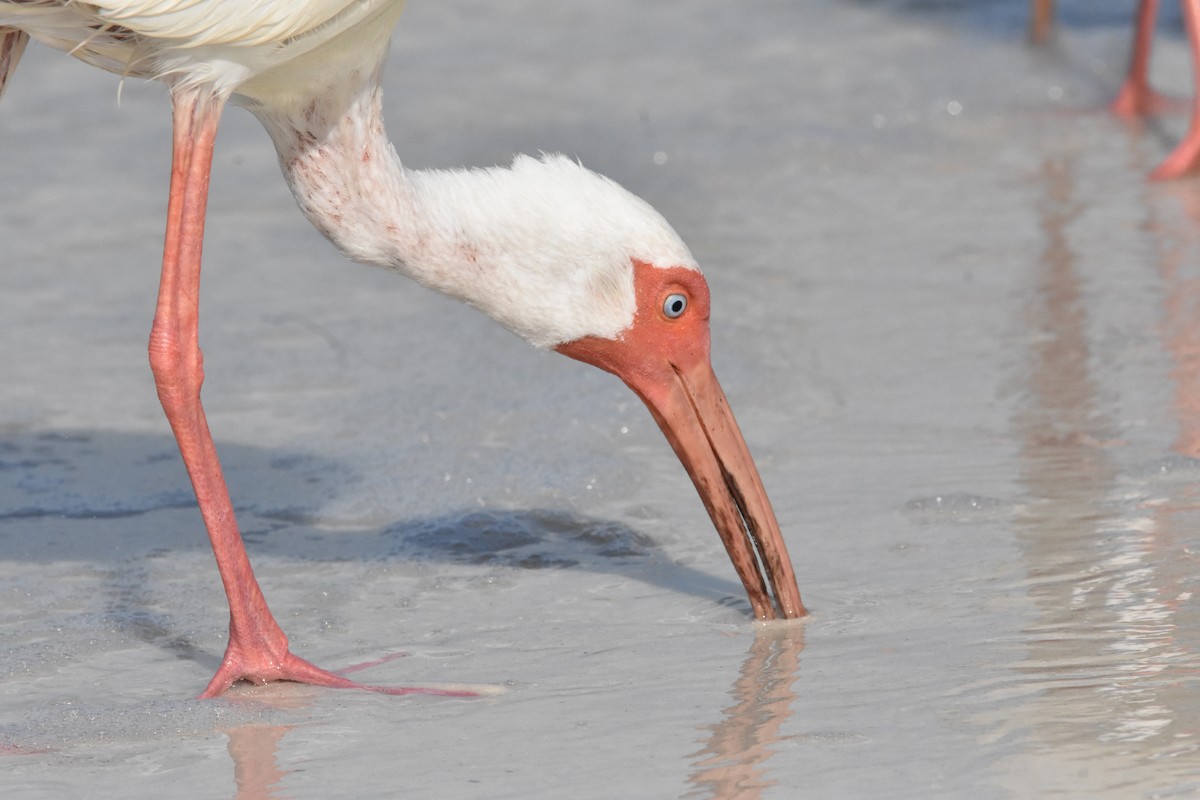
[[1185, 158], [258, 648], [1041, 21], [1137, 99]]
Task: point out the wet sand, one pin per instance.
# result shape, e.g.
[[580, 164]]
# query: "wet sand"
[[957, 326]]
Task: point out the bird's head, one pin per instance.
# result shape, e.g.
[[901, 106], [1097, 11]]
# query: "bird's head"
[[663, 355], [569, 260]]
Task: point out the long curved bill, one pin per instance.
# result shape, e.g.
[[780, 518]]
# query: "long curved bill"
[[695, 417]]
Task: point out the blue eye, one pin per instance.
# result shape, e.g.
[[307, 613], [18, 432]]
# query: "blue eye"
[[674, 305]]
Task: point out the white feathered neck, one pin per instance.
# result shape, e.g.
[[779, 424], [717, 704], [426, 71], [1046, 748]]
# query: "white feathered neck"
[[545, 247]]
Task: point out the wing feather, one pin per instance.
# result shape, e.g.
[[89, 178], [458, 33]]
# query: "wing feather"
[[198, 23]]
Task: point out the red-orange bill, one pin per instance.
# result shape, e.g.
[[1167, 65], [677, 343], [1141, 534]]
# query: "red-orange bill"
[[695, 417]]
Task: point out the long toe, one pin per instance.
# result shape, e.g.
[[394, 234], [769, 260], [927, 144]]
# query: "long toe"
[[292, 668]]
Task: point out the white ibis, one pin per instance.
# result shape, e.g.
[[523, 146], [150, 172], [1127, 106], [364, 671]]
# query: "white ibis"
[[561, 256], [1136, 98]]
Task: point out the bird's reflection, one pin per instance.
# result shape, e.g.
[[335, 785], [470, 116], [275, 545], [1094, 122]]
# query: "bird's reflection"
[[254, 746], [1067, 470], [1177, 246], [731, 764], [1105, 573], [254, 750], [1174, 223], [733, 760]]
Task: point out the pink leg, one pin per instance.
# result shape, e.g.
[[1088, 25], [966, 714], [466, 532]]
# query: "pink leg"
[[1185, 158], [257, 649], [1135, 97], [1041, 21]]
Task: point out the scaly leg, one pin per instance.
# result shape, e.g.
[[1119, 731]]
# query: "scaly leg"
[[258, 648], [1185, 158]]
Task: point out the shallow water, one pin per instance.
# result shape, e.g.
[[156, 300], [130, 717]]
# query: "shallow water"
[[956, 324]]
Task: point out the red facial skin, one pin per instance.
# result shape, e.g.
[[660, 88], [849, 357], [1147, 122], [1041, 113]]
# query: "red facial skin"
[[666, 362]]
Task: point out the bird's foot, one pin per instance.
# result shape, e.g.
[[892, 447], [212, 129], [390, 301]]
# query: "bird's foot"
[[261, 665], [1136, 100], [1183, 160]]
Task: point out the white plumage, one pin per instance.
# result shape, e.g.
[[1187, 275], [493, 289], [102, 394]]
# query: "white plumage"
[[558, 254], [545, 247], [218, 43]]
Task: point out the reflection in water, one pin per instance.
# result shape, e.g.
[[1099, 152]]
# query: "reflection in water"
[[1068, 473], [732, 763], [254, 747], [1178, 247], [1176, 518], [256, 772], [1115, 698]]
